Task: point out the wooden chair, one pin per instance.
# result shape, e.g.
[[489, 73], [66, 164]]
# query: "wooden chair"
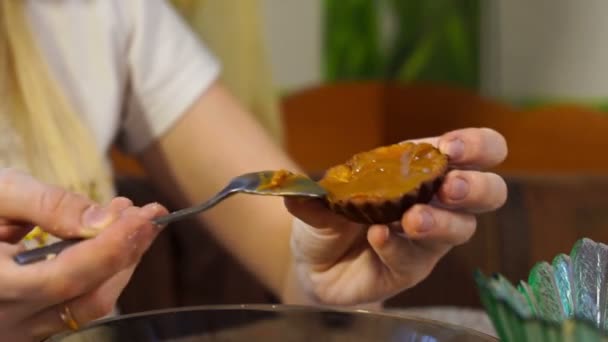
[[328, 123]]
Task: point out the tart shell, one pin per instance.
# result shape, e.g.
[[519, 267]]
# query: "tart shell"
[[371, 208]]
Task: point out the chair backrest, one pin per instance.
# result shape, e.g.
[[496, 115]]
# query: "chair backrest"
[[326, 124]]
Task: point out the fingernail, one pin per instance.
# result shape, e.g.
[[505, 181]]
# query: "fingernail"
[[458, 189], [149, 211], [160, 226], [426, 222], [385, 233], [95, 219], [453, 148]]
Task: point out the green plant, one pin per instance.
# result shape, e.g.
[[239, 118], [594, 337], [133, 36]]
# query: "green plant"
[[350, 44], [434, 40]]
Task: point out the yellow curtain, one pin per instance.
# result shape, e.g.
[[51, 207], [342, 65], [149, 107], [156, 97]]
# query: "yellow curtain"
[[232, 29]]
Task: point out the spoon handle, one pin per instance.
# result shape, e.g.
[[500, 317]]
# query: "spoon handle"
[[50, 251], [43, 253], [180, 214]]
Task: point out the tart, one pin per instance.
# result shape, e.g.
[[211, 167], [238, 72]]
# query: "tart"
[[378, 186]]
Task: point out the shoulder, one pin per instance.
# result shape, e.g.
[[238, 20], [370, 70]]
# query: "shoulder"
[[118, 16]]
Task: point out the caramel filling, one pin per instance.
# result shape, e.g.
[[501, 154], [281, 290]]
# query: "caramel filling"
[[279, 178], [384, 173]]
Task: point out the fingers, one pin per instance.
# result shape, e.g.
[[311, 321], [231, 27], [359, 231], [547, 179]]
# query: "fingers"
[[78, 270], [120, 245], [320, 236], [85, 265], [58, 211], [477, 148], [397, 254], [429, 234], [438, 228], [322, 247], [25, 199], [96, 218], [313, 212], [13, 232], [84, 309], [472, 148], [472, 191]]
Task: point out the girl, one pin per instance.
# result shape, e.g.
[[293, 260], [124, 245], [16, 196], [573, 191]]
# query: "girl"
[[80, 75]]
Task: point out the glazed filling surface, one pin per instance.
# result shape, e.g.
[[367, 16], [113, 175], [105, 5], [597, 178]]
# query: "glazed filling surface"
[[384, 173]]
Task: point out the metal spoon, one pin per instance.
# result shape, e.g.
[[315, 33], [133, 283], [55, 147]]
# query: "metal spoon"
[[269, 183]]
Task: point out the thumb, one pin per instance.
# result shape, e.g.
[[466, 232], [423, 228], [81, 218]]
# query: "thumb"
[[319, 236], [56, 210], [403, 258], [314, 212]]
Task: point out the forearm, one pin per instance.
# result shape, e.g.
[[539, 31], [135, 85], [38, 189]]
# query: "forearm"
[[215, 141]]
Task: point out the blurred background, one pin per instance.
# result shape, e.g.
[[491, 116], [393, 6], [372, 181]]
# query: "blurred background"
[[329, 78]]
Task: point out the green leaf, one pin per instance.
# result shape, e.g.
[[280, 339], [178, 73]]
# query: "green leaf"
[[415, 63]]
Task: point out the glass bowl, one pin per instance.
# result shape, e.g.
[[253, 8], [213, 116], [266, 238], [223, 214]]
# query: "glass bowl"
[[268, 323]]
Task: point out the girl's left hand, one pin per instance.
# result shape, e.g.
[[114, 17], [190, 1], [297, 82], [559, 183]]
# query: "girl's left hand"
[[345, 263]]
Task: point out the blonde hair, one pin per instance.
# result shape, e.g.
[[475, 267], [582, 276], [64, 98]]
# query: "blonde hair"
[[49, 139]]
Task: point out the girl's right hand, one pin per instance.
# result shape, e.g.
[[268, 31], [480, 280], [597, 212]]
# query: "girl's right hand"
[[83, 282]]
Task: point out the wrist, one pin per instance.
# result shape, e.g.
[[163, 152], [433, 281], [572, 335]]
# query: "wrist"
[[297, 292], [307, 246], [294, 291]]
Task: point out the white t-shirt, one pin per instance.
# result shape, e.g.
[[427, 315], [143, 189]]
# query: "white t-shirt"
[[126, 65]]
